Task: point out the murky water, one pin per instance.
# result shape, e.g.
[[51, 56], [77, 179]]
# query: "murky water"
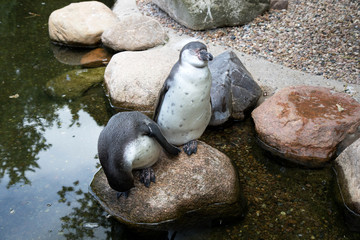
[[48, 156]]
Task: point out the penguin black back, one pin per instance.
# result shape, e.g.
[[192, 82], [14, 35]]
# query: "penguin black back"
[[119, 147]]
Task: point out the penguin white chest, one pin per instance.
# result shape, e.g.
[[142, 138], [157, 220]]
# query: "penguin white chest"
[[142, 152], [186, 108]]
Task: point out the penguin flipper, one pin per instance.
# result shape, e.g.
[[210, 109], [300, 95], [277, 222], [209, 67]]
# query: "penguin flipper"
[[160, 100], [164, 90], [154, 131]]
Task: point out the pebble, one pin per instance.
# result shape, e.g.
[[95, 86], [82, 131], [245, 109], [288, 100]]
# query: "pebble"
[[321, 37]]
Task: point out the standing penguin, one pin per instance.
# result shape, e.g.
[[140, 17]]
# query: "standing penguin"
[[183, 110], [130, 141]]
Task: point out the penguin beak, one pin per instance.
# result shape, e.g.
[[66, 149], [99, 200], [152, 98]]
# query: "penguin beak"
[[204, 55]]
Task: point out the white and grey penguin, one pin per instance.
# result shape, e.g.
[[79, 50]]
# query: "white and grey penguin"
[[130, 141], [183, 110]]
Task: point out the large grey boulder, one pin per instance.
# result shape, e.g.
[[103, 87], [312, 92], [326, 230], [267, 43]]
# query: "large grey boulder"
[[207, 14], [134, 32], [305, 124], [347, 168], [80, 24], [189, 190], [234, 91]]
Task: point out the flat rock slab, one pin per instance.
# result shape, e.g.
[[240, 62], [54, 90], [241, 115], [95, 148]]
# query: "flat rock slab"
[[80, 24], [188, 191], [347, 168], [304, 124]]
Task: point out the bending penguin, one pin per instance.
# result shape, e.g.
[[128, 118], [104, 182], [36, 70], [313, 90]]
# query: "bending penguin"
[[130, 141], [183, 110]]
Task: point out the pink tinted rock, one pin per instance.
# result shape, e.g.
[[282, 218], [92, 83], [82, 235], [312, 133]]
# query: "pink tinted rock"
[[188, 190], [305, 123]]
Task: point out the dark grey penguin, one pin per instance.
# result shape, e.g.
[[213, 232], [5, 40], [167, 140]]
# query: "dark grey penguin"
[[183, 110], [130, 141]]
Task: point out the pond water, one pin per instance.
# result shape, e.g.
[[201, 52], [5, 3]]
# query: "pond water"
[[48, 156]]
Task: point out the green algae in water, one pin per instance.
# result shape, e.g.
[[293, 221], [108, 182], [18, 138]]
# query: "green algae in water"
[[75, 83]]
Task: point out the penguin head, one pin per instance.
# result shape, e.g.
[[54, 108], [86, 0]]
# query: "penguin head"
[[196, 54], [122, 181]]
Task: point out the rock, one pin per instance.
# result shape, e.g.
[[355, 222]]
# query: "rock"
[[133, 79], [200, 15], [96, 58], [279, 4], [187, 192], [80, 24], [125, 8], [304, 124], [233, 91], [347, 168], [74, 83], [81, 56], [134, 32]]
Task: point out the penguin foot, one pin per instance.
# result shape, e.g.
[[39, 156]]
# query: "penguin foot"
[[147, 176], [190, 147], [125, 194]]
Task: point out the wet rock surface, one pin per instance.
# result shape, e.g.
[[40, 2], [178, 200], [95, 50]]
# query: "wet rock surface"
[[81, 56], [347, 168], [200, 15], [187, 192], [96, 58], [304, 124], [80, 24], [75, 83], [134, 32], [233, 90]]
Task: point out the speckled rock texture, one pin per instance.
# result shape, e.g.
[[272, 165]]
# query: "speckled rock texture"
[[80, 24], [233, 90], [347, 168], [207, 14], [134, 32], [304, 124], [187, 192]]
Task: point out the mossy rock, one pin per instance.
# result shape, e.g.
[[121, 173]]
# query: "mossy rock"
[[75, 83]]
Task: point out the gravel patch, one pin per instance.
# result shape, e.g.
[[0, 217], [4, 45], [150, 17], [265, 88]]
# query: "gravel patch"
[[321, 37]]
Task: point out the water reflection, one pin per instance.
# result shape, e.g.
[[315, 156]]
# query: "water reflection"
[[86, 219], [70, 159]]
